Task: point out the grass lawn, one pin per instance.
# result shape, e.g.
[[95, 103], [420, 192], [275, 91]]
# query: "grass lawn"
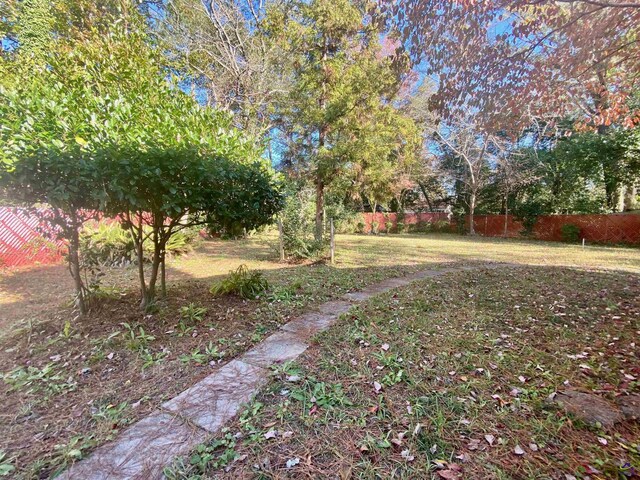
[[449, 378], [72, 384]]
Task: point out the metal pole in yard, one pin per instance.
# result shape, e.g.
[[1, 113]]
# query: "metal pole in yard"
[[281, 239], [332, 243]]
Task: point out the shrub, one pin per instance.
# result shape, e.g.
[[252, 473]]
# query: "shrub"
[[298, 224], [360, 226], [108, 244], [570, 233], [400, 227], [388, 227], [375, 227], [442, 226], [241, 282]]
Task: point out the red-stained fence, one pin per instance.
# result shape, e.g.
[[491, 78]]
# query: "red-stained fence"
[[611, 229], [22, 241]]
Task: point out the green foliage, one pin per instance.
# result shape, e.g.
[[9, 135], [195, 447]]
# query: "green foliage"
[[375, 227], [48, 380], [6, 467], [388, 226], [108, 244], [102, 128], [241, 282], [338, 117], [298, 226], [570, 233]]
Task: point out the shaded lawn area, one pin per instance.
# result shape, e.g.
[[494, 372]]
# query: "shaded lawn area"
[[71, 384], [450, 378]]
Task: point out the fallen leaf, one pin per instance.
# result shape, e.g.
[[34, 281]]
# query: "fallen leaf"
[[406, 454], [533, 447], [377, 386], [270, 434], [292, 462], [518, 450], [603, 441], [385, 346], [489, 439], [449, 474]]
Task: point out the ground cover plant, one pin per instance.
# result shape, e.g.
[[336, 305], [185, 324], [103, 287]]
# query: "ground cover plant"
[[63, 376], [450, 378]]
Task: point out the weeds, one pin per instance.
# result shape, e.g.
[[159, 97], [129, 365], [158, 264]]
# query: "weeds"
[[241, 282]]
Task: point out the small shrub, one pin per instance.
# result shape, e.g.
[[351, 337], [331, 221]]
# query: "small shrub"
[[360, 227], [388, 227], [441, 226], [400, 227], [570, 233], [242, 282], [375, 227], [298, 225]]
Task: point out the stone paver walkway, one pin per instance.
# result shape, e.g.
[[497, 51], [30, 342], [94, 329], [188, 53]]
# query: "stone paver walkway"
[[145, 448]]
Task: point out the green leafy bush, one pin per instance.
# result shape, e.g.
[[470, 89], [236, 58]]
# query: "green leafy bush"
[[570, 233], [375, 227], [108, 244], [388, 226], [298, 224], [400, 227], [360, 226], [242, 282]]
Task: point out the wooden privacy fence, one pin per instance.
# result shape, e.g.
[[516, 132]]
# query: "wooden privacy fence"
[[611, 229], [22, 239]]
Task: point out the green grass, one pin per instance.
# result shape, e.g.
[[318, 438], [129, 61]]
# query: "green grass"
[[432, 329], [455, 370]]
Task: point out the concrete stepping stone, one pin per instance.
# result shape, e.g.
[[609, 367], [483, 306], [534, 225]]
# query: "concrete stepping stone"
[[630, 406], [214, 401], [279, 347], [310, 323], [141, 452], [336, 307], [589, 407]]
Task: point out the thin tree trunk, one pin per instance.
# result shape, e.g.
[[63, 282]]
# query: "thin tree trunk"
[[74, 265], [163, 272], [506, 212], [319, 209], [138, 236], [472, 209]]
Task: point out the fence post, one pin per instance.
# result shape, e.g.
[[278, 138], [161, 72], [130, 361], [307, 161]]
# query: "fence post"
[[332, 242], [281, 239]]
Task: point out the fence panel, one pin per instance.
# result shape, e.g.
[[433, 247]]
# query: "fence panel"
[[22, 241], [612, 229]]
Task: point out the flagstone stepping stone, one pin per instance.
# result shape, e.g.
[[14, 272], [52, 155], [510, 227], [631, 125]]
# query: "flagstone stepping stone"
[[310, 323], [212, 402], [336, 307], [278, 348], [630, 406], [140, 452], [589, 407]]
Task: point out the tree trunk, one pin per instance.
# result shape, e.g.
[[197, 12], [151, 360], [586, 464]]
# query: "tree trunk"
[[319, 209], [472, 209], [163, 272], [138, 236], [506, 213], [630, 198], [74, 266], [426, 196]]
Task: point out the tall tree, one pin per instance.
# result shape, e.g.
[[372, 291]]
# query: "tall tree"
[[512, 59], [338, 117], [223, 48]]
